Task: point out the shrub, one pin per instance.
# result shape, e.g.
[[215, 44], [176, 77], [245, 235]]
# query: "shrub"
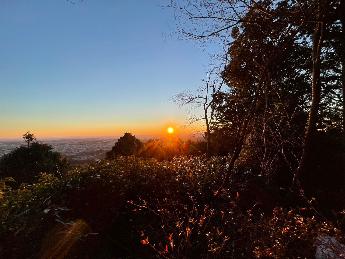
[[127, 145], [133, 208], [24, 164]]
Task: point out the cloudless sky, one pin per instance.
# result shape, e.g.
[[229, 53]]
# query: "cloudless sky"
[[94, 68]]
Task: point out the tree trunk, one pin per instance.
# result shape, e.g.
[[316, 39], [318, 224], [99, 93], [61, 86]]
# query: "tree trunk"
[[310, 131], [342, 53], [242, 134], [208, 134], [237, 151]]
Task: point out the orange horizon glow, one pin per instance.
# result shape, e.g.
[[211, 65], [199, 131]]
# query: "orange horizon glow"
[[106, 131]]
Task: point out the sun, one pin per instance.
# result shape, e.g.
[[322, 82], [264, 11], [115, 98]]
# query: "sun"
[[170, 130]]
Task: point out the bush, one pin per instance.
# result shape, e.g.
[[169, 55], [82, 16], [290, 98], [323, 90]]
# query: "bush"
[[24, 164], [127, 145], [133, 208]]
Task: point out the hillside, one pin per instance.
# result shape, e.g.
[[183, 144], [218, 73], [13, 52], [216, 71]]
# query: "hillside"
[[133, 208]]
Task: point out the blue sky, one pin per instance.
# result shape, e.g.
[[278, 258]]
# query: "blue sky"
[[98, 67]]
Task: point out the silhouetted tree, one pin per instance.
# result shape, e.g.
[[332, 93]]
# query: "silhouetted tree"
[[283, 63], [127, 145], [204, 98], [29, 138], [24, 164]]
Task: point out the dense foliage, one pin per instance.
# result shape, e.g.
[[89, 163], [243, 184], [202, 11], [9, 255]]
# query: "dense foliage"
[[127, 145], [133, 208], [281, 84], [170, 147], [25, 163], [160, 149]]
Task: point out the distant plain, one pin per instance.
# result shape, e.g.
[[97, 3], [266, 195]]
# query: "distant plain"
[[77, 150]]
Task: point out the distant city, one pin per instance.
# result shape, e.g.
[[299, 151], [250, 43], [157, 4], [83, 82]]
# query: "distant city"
[[76, 150]]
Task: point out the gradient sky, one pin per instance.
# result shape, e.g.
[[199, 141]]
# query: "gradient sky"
[[95, 68]]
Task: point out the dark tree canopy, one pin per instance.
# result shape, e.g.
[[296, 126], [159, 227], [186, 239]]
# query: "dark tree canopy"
[[24, 164], [29, 138], [284, 72], [127, 145]]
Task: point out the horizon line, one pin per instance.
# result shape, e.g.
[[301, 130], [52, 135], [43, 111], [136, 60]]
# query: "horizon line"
[[139, 136]]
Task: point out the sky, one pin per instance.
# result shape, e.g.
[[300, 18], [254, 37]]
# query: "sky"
[[94, 68]]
